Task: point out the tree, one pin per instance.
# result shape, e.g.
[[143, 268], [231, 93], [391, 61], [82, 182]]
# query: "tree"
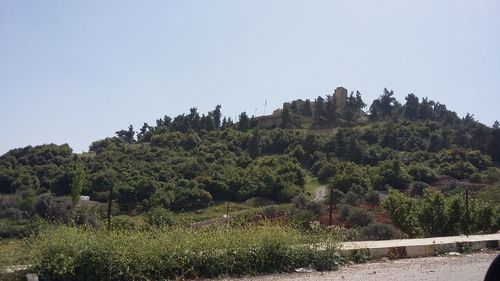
[[353, 107], [144, 134], [286, 118], [494, 142], [127, 135], [411, 107], [391, 173], [77, 185], [216, 115], [331, 109], [305, 108], [319, 114], [403, 212], [244, 122], [432, 214], [425, 111]]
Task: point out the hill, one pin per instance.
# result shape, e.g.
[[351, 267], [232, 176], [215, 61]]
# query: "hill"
[[193, 161]]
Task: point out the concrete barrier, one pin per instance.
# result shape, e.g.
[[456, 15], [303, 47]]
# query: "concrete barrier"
[[410, 248]]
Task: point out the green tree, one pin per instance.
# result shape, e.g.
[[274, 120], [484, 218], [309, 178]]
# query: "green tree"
[[244, 122], [411, 107], [403, 212], [77, 185], [127, 135], [286, 118], [432, 215]]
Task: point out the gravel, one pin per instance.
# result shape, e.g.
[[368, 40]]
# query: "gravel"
[[464, 267]]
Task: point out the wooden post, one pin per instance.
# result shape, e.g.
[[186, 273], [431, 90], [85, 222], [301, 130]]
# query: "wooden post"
[[110, 202]]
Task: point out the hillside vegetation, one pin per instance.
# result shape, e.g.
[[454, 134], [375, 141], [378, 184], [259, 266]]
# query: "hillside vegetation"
[[192, 161]]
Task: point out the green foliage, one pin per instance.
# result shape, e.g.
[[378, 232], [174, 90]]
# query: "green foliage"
[[393, 174], [64, 253], [194, 160], [475, 178], [422, 173], [351, 175], [77, 185], [458, 170], [432, 215], [158, 217], [403, 212], [379, 231], [439, 215], [372, 197], [359, 217], [417, 189]]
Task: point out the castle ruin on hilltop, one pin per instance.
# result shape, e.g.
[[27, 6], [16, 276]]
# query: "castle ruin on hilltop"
[[302, 111]]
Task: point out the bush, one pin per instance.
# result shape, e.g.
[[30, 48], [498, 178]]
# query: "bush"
[[351, 198], [159, 217], [91, 215], [393, 174], [417, 189], [302, 219], [379, 231], [359, 217], [422, 173], [65, 253], [123, 222], [345, 210], [372, 197], [475, 178], [270, 212], [492, 175], [458, 170]]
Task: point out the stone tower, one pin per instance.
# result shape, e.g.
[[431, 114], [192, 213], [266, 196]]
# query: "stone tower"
[[340, 98]]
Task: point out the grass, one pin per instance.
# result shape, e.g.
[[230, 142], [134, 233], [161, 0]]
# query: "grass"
[[69, 253], [12, 252], [218, 210]]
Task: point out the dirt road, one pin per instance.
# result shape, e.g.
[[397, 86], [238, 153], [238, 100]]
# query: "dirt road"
[[320, 193], [454, 268]]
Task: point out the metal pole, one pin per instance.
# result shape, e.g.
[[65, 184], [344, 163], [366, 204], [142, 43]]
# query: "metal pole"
[[331, 206], [110, 202]]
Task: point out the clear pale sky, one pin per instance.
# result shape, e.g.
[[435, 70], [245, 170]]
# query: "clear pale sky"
[[77, 71]]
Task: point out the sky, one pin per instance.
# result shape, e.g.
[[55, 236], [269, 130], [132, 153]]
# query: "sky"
[[77, 71]]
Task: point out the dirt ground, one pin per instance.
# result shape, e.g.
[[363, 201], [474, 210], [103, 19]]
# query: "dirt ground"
[[455, 268]]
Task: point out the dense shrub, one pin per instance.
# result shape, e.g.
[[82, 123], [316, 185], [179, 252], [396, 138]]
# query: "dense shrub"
[[372, 197], [379, 231], [475, 178], [492, 175], [422, 173], [359, 217], [351, 198], [159, 217], [64, 253], [458, 170], [393, 174], [417, 189]]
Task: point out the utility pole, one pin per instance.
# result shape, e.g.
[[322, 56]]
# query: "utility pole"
[[331, 206], [110, 202], [467, 217], [227, 213]]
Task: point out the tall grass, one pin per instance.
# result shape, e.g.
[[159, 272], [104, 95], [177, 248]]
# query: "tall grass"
[[69, 253]]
